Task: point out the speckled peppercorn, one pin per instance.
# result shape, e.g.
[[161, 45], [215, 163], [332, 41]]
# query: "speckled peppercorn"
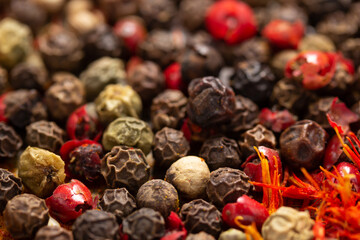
[[10, 187], [29, 76], [53, 233], [10, 141]]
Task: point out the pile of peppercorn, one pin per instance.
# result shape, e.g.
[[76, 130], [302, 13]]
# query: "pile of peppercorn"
[[179, 119]]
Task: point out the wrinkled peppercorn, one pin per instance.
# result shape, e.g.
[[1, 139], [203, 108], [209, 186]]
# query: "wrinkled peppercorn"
[[147, 80], [41, 171], [10, 186], [118, 202], [128, 131], [125, 167], [316, 42], [96, 225], [221, 152], [10, 141], [53, 233], [168, 109], [303, 144], [257, 49], [100, 73], [46, 135], [157, 13], [199, 215], [318, 110], [199, 236], [144, 224], [169, 146], [24, 215], [28, 76], [210, 101], [192, 13], [64, 96]]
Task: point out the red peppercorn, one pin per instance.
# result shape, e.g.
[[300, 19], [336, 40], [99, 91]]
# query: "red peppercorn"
[[69, 201], [230, 20], [175, 228], [348, 168], [332, 152], [3, 118], [284, 34], [276, 120], [172, 76]]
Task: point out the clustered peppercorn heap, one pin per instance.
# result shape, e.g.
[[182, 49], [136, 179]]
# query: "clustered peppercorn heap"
[[192, 119]]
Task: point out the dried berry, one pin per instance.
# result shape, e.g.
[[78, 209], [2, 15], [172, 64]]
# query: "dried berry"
[[232, 234], [118, 202], [172, 75], [277, 121], [200, 236], [10, 141], [316, 42], [24, 215], [257, 49], [221, 152], [115, 9], [317, 111], [279, 61], [199, 215], [128, 131], [96, 225], [144, 224], [10, 186], [41, 171], [157, 13], [192, 13], [53, 233], [125, 167], [169, 146], [46, 135], [29, 76]]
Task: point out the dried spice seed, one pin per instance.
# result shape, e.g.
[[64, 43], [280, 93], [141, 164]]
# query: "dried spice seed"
[[10, 186], [53, 233], [10, 141]]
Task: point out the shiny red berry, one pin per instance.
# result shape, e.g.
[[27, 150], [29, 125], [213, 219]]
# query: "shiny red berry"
[[332, 152], [276, 120], [175, 228], [3, 118], [173, 77], [230, 20], [348, 168], [69, 201]]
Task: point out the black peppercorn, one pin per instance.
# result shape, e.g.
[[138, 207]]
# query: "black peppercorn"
[[257, 49], [144, 224], [303, 144], [319, 8], [118, 202], [158, 195], [199, 215], [24, 215], [10, 141], [10, 186], [157, 13], [28, 76], [125, 167], [192, 13], [351, 49], [96, 225], [210, 102], [3, 80], [318, 110], [53, 233], [199, 236], [115, 9], [221, 152], [169, 146]]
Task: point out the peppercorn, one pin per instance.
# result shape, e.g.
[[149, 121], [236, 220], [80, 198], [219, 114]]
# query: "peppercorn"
[[232, 234], [101, 73], [189, 175], [280, 60], [95, 225], [51, 6], [199, 215], [288, 223], [200, 60], [3, 80], [117, 101], [192, 13], [10, 186], [41, 171], [64, 96], [350, 49], [84, 21], [15, 42], [288, 12], [125, 167], [253, 80], [24, 215], [115, 9], [316, 42], [257, 136], [303, 144], [144, 224], [169, 145], [147, 80], [157, 13], [128, 131], [277, 120], [118, 202], [60, 49], [199, 236], [221, 152], [319, 8], [317, 111], [28, 76], [168, 109], [53, 233], [10, 141], [256, 48]]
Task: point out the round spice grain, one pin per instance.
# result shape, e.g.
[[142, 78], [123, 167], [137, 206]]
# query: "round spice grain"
[[10, 186], [53, 233], [200, 236], [10, 141]]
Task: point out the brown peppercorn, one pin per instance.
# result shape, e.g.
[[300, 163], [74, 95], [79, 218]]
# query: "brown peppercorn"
[[3, 80], [199, 215], [221, 152], [116, 9], [303, 145], [29, 76], [147, 80], [257, 136], [226, 185], [53, 233], [192, 13], [46, 135], [168, 109], [10, 186], [210, 102], [96, 225], [64, 96], [254, 49], [279, 61], [24, 215], [10, 141], [200, 60], [199, 236], [60, 49], [125, 167], [316, 42], [318, 110], [158, 195], [118, 202], [169, 146], [157, 13], [144, 224]]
